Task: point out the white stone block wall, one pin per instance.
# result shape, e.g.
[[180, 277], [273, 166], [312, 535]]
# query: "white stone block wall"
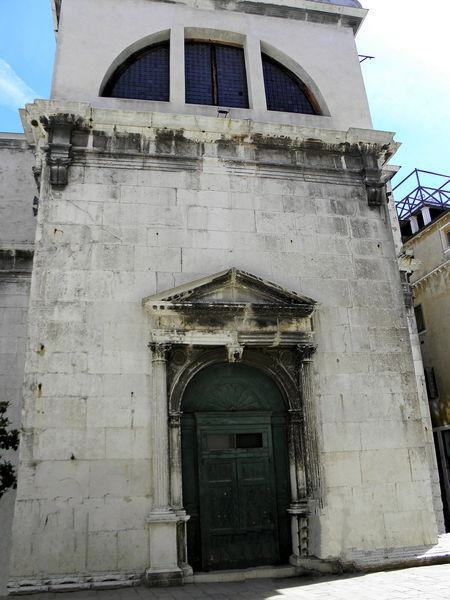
[[302, 36], [17, 228], [125, 228]]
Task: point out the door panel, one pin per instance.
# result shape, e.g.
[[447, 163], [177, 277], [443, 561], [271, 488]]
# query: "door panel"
[[237, 499], [236, 485], [221, 496], [255, 495]]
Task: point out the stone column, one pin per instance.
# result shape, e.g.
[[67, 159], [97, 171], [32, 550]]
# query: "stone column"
[[176, 490], [310, 425], [175, 460], [299, 502], [163, 519], [304, 446]]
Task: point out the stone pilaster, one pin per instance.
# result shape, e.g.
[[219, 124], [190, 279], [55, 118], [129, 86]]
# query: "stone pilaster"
[[163, 519], [310, 425], [304, 444]]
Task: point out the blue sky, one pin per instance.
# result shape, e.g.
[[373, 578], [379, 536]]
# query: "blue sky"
[[408, 83]]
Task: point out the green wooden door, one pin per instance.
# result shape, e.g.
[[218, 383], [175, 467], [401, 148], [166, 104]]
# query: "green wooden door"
[[235, 469], [237, 490]]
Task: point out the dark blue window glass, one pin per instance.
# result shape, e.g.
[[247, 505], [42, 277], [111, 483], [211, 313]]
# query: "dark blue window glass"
[[144, 76], [231, 77], [284, 91], [198, 73], [215, 75]]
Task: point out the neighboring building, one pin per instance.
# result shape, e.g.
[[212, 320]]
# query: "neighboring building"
[[219, 371], [425, 225], [17, 233]]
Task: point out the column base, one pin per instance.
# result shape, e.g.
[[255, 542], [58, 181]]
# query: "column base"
[[165, 558], [295, 560], [163, 578]]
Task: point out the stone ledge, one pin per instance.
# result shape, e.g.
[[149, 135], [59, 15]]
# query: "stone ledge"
[[73, 584], [400, 558]]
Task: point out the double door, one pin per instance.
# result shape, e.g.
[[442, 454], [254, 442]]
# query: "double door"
[[237, 496], [235, 489]]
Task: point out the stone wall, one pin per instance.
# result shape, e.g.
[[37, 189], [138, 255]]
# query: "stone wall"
[[301, 36], [150, 207], [17, 227]]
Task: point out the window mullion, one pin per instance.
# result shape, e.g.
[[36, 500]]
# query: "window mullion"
[[214, 76]]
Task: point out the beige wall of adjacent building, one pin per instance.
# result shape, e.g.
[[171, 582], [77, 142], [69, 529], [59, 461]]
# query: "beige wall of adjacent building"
[[431, 285]]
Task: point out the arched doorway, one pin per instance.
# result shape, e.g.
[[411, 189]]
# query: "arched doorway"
[[235, 469]]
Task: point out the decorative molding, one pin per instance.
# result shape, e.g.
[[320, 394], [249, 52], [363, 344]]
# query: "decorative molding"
[[235, 352], [299, 339], [296, 417], [264, 296], [175, 419], [306, 351], [375, 178], [159, 351], [59, 154], [436, 271], [375, 187]]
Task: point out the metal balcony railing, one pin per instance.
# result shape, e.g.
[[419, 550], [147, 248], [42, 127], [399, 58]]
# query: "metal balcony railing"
[[431, 189]]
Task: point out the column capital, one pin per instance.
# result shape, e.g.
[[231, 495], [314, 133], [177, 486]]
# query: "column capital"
[[306, 352], [159, 351], [175, 419]]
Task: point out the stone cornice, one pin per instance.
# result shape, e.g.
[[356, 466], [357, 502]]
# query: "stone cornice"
[[203, 128], [15, 141], [76, 131], [442, 268], [304, 10]]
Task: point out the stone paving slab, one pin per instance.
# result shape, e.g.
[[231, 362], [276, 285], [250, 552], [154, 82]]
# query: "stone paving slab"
[[418, 583]]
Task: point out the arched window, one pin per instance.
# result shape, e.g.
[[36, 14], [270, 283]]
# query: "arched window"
[[144, 76], [215, 74], [284, 91]]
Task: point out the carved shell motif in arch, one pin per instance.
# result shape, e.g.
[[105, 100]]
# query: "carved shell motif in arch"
[[233, 396], [232, 387]]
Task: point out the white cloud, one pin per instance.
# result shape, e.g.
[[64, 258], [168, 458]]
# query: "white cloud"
[[14, 92]]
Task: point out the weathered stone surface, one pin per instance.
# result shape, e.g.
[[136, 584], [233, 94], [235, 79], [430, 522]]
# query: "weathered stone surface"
[[140, 198], [17, 229], [128, 232]]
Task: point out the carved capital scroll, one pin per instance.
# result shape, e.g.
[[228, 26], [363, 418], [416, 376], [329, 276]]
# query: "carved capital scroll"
[[159, 351], [59, 149], [306, 352], [373, 177]]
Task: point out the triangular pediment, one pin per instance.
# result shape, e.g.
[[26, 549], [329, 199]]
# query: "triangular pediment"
[[231, 289]]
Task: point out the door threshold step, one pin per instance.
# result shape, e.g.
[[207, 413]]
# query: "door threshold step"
[[233, 575]]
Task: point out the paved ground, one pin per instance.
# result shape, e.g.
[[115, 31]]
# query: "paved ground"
[[419, 583]]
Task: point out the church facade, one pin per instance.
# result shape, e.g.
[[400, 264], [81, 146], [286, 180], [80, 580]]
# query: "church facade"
[[219, 371]]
